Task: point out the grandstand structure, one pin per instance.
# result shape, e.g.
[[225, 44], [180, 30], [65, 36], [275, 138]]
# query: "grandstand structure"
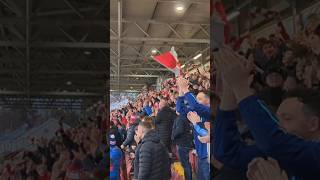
[[53, 54], [144, 28], [243, 18]]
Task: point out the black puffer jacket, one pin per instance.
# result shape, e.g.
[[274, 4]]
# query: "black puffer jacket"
[[130, 135], [152, 159], [182, 132], [164, 122]]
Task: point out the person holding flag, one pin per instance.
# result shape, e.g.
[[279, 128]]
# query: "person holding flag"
[[170, 61]]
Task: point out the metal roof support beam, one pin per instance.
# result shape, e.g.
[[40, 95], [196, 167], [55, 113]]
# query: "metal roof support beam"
[[102, 8], [188, 1], [55, 21], [174, 31], [65, 11], [140, 28], [136, 58], [56, 44], [67, 34], [114, 33], [191, 57], [126, 44], [137, 52], [196, 41], [76, 10], [51, 93], [91, 72], [27, 41], [112, 51], [16, 32], [71, 44], [66, 22], [53, 60], [161, 22], [119, 39], [204, 31], [13, 7], [84, 37]]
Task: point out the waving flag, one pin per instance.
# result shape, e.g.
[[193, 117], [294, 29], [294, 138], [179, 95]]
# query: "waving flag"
[[219, 8], [169, 60]]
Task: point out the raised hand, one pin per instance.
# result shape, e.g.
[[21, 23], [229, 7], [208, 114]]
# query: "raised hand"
[[234, 72], [193, 117], [204, 139], [183, 84]]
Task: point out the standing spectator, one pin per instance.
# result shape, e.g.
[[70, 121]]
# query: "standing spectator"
[[115, 159], [151, 158], [182, 137], [202, 109], [146, 108], [114, 130], [164, 122], [130, 134]]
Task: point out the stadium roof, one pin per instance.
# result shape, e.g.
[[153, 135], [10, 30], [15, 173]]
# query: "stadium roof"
[[52, 49], [148, 25]]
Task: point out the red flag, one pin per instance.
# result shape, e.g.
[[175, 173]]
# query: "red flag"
[[219, 7], [167, 60]]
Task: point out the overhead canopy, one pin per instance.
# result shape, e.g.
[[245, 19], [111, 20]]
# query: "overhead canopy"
[[51, 50], [148, 25]]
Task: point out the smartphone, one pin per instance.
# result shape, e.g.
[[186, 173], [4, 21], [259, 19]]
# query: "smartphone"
[[217, 37]]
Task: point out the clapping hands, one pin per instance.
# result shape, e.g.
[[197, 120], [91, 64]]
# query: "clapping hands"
[[193, 117], [261, 169]]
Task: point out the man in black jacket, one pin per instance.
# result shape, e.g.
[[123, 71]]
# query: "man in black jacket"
[[130, 135], [182, 137], [164, 122], [151, 158]]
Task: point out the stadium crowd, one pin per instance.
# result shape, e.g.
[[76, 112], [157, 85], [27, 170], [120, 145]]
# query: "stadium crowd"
[[76, 153], [267, 125], [161, 127]]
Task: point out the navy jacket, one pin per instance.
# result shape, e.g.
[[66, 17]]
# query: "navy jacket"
[[298, 157]]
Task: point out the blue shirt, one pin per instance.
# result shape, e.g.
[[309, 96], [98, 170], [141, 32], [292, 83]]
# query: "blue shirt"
[[298, 157]]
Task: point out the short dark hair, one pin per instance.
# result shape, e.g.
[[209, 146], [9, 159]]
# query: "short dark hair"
[[146, 124], [309, 97], [150, 120]]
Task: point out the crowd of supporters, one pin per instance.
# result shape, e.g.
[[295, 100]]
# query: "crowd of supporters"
[[75, 153], [162, 127], [267, 125]]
